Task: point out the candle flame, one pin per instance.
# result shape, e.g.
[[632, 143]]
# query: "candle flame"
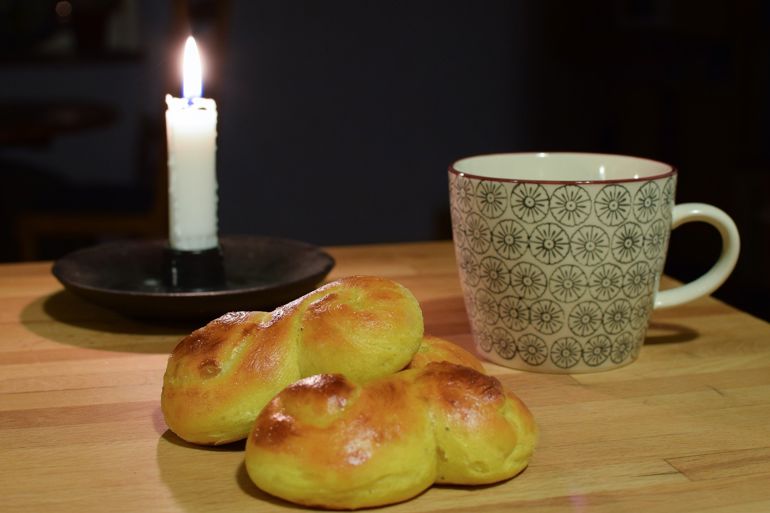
[[192, 70]]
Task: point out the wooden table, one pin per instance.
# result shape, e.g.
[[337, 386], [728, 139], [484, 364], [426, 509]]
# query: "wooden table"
[[685, 428]]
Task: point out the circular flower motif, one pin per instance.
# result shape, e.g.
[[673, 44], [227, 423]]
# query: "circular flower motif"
[[597, 350], [532, 349], [477, 233], [463, 193], [491, 199], [509, 239], [528, 281], [646, 202], [570, 205], [585, 318], [655, 239], [469, 268], [568, 283], [486, 306], [565, 352], [617, 316], [590, 245], [636, 279], [470, 303], [529, 202], [627, 242], [494, 274], [667, 200], [504, 343], [613, 204], [546, 316], [485, 341], [514, 313], [549, 243], [640, 312], [458, 229], [622, 347], [605, 282]]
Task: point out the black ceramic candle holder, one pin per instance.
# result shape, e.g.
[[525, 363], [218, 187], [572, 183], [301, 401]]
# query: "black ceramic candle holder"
[[146, 279], [194, 270]]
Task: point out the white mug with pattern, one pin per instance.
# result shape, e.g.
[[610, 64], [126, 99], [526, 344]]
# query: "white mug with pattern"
[[560, 255]]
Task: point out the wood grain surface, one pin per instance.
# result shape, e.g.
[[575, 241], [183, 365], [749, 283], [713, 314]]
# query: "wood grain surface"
[[684, 428]]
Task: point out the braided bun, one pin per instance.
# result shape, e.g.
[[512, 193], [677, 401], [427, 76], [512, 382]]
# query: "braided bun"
[[434, 349], [219, 377], [327, 442]]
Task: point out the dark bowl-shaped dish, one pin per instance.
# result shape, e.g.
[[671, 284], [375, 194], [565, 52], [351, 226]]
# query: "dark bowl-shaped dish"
[[129, 277]]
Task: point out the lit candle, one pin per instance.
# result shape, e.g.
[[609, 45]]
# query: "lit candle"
[[191, 130]]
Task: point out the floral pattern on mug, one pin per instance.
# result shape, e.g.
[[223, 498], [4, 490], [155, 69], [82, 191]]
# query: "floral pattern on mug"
[[491, 199], [528, 281], [509, 239], [529, 202], [568, 283], [532, 349], [503, 343], [617, 316], [627, 242], [560, 275], [549, 243], [566, 352], [494, 274], [597, 350], [546, 316], [585, 318], [646, 202], [514, 313], [590, 245], [605, 282], [477, 233], [570, 205], [655, 239], [613, 205]]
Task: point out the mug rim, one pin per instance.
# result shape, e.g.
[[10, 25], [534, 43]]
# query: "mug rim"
[[544, 154]]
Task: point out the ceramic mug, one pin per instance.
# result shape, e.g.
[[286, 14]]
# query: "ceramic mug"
[[560, 255]]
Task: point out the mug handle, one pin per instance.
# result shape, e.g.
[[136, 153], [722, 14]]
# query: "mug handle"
[[709, 282]]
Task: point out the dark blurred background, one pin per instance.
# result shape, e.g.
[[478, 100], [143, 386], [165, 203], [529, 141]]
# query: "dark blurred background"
[[338, 118]]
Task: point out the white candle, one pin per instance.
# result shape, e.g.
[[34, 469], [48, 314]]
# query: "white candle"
[[191, 131]]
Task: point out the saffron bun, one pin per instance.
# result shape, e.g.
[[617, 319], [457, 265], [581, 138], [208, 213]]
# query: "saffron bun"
[[326, 441], [219, 377], [435, 349]]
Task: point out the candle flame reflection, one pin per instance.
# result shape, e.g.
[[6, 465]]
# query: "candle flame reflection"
[[192, 70]]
